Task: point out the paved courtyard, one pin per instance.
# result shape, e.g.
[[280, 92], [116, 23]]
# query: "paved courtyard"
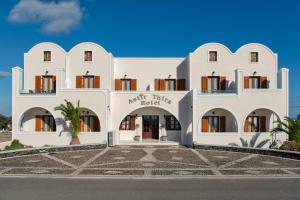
[[149, 161]]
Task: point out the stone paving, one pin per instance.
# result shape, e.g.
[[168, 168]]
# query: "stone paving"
[[149, 161]]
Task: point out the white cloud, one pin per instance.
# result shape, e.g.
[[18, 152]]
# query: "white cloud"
[[52, 16], [4, 74]]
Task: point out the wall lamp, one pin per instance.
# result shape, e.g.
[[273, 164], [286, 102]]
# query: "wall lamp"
[[213, 73], [254, 73], [87, 72]]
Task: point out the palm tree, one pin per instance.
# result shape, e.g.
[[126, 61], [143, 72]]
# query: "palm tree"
[[290, 127], [72, 114], [252, 143]]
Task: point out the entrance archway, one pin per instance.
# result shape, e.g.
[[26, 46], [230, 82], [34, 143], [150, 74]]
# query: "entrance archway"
[[149, 123]]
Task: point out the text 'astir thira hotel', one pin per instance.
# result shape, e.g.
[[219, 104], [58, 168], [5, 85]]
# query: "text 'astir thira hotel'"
[[211, 96]]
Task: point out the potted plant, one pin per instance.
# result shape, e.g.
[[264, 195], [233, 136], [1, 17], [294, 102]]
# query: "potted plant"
[[163, 134], [137, 137], [72, 114]]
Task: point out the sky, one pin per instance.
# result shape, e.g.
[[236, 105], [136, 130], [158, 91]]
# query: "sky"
[[149, 28]]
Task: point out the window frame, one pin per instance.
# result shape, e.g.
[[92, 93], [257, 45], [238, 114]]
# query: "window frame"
[[257, 58], [127, 84], [86, 57], [89, 77], [168, 82], [212, 51], [50, 81], [172, 124], [45, 56], [251, 125], [126, 124], [218, 128], [251, 78]]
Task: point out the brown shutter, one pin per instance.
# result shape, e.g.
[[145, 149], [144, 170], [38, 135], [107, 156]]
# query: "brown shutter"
[[246, 82], [54, 83], [262, 123], [204, 124], [162, 84], [96, 124], [180, 84], [38, 84], [246, 125], [222, 124], [39, 125], [204, 83], [156, 84], [79, 81], [97, 82], [133, 84], [132, 122], [222, 85], [263, 82], [118, 84], [81, 123]]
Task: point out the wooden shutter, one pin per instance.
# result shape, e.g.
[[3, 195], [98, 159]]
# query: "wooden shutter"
[[180, 84], [118, 84], [262, 123], [38, 84], [133, 84], [79, 81], [81, 123], [263, 82], [246, 82], [97, 82], [156, 85], [204, 124], [132, 122], [39, 125], [96, 124], [222, 82], [246, 125], [204, 83], [222, 124], [54, 83], [162, 84]]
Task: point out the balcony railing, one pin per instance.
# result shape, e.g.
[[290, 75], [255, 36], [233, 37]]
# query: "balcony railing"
[[34, 92], [216, 92]]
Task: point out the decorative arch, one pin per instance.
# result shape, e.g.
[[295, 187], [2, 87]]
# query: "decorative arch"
[[48, 43], [31, 119], [231, 121], [214, 43], [263, 114], [88, 43]]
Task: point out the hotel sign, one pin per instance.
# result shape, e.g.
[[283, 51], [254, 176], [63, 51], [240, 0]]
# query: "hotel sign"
[[150, 100]]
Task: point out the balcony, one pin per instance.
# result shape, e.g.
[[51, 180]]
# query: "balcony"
[[34, 92]]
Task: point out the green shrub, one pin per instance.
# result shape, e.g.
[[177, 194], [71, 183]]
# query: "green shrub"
[[290, 146], [15, 144]]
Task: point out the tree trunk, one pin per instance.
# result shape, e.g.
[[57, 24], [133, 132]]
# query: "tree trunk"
[[74, 140]]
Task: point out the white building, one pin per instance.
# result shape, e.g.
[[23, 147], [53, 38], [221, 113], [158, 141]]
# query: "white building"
[[212, 96]]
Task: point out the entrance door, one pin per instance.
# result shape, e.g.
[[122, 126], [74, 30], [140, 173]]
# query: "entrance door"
[[150, 126]]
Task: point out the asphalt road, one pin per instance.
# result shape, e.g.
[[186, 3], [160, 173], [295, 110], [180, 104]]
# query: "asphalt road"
[[141, 189]]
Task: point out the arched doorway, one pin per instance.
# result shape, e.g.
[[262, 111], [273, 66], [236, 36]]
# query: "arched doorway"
[[149, 123], [260, 120], [218, 120], [37, 119]]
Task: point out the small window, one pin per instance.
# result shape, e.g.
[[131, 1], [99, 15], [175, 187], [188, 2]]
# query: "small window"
[[170, 85], [172, 123], [254, 56], [47, 55], [213, 124], [126, 84], [213, 56], [88, 56], [88, 81], [125, 124]]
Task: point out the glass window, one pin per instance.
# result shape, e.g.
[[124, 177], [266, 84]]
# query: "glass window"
[[48, 84], [254, 82], [213, 84], [125, 124], [254, 56], [88, 56], [49, 123], [47, 55], [213, 124], [126, 84], [213, 56], [170, 85], [88, 82], [172, 123], [253, 124]]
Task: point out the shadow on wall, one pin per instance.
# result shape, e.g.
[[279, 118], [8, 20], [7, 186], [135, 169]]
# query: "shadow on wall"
[[185, 118]]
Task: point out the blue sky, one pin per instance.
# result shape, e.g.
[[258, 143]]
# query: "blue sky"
[[150, 28]]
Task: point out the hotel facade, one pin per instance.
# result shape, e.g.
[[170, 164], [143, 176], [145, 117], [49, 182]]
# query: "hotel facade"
[[211, 96]]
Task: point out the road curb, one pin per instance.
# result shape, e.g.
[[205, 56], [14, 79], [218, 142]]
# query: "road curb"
[[269, 152], [31, 151]]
